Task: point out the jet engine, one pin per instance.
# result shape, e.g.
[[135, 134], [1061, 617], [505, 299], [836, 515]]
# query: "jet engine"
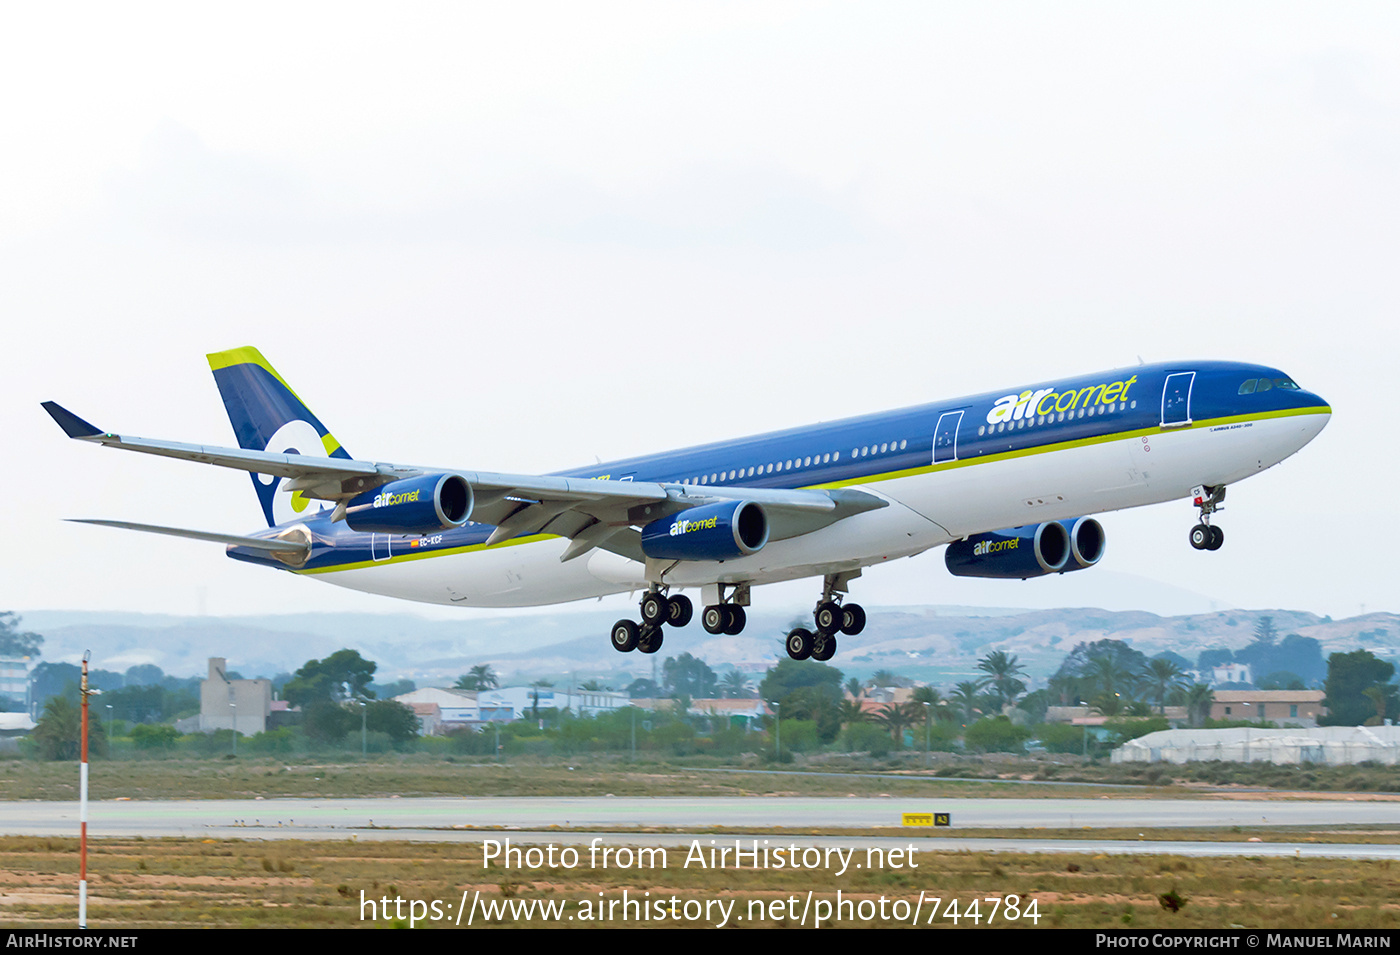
[[421, 505], [1032, 550], [722, 531]]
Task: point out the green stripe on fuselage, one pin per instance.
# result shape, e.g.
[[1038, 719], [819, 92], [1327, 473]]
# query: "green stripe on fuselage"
[[422, 555]]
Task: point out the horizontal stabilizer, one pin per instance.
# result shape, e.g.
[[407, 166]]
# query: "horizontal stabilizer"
[[71, 424], [300, 549]]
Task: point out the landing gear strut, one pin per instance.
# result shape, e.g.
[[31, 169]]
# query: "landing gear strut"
[[831, 616], [726, 616], [1206, 536], [657, 610]]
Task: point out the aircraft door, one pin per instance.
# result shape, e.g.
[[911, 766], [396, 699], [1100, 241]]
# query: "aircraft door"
[[379, 546], [1176, 399], [945, 437]]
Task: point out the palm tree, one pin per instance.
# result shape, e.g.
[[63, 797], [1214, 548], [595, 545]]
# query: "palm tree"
[[937, 706], [1002, 672], [1199, 698], [480, 678], [965, 699], [1164, 676], [735, 685], [897, 717], [852, 712], [886, 678]]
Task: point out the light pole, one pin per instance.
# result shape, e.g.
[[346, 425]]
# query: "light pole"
[[234, 706], [928, 734], [364, 733], [777, 718]]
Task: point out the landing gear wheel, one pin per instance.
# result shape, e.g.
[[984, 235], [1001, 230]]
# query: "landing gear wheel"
[[737, 619], [799, 644], [715, 618], [1217, 537], [650, 640], [823, 646], [1201, 536], [828, 617], [852, 619], [655, 609], [624, 636], [680, 609]]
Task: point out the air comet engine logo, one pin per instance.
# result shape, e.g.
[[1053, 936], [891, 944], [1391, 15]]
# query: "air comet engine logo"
[[389, 500]]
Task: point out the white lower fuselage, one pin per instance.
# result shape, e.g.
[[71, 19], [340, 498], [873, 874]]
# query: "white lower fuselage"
[[939, 504]]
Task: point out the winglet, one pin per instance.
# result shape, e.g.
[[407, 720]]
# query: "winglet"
[[71, 424]]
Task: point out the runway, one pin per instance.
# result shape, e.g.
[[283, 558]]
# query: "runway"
[[575, 820]]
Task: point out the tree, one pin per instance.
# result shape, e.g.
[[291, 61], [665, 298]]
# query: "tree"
[[344, 675], [1349, 676], [898, 717], [1002, 672], [481, 677], [13, 641], [392, 718], [735, 686], [966, 700], [806, 689], [1199, 698], [689, 675], [325, 721], [643, 689], [1164, 676], [60, 731]]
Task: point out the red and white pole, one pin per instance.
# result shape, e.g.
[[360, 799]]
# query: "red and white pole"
[[82, 804]]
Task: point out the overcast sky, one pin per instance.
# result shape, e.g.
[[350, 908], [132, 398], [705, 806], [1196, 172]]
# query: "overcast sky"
[[518, 236]]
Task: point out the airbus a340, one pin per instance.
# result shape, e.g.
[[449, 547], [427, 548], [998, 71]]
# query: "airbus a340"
[[1006, 479]]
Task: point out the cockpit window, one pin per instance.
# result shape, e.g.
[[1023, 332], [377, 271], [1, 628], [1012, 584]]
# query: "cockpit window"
[[1286, 384], [1248, 387], [1265, 384]]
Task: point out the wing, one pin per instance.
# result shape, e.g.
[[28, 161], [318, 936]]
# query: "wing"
[[590, 512]]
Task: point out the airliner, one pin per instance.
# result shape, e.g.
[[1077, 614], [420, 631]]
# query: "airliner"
[[1008, 480]]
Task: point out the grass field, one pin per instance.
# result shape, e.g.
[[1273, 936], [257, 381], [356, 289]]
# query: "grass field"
[[192, 777], [238, 884]]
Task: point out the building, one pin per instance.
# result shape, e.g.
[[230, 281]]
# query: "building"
[[522, 700], [14, 678], [242, 705], [1231, 673], [1330, 745], [1285, 707], [442, 710]]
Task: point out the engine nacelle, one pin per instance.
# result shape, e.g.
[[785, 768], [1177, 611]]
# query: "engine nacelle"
[[1086, 543], [421, 505], [721, 531], [1032, 550]]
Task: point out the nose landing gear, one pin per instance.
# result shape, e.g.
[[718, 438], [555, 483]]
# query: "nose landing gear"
[[1206, 536]]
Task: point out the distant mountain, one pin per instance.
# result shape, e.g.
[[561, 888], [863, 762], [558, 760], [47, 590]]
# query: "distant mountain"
[[937, 644]]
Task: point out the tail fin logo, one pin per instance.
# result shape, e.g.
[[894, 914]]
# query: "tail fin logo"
[[294, 437]]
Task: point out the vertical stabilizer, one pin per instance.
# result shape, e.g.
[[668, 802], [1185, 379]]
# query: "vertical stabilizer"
[[268, 416]]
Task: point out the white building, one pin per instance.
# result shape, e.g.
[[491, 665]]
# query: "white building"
[[1332, 745], [522, 701], [241, 705]]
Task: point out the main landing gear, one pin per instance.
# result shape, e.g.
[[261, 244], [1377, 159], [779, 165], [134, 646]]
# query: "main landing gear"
[[1205, 535], [657, 610], [831, 617]]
